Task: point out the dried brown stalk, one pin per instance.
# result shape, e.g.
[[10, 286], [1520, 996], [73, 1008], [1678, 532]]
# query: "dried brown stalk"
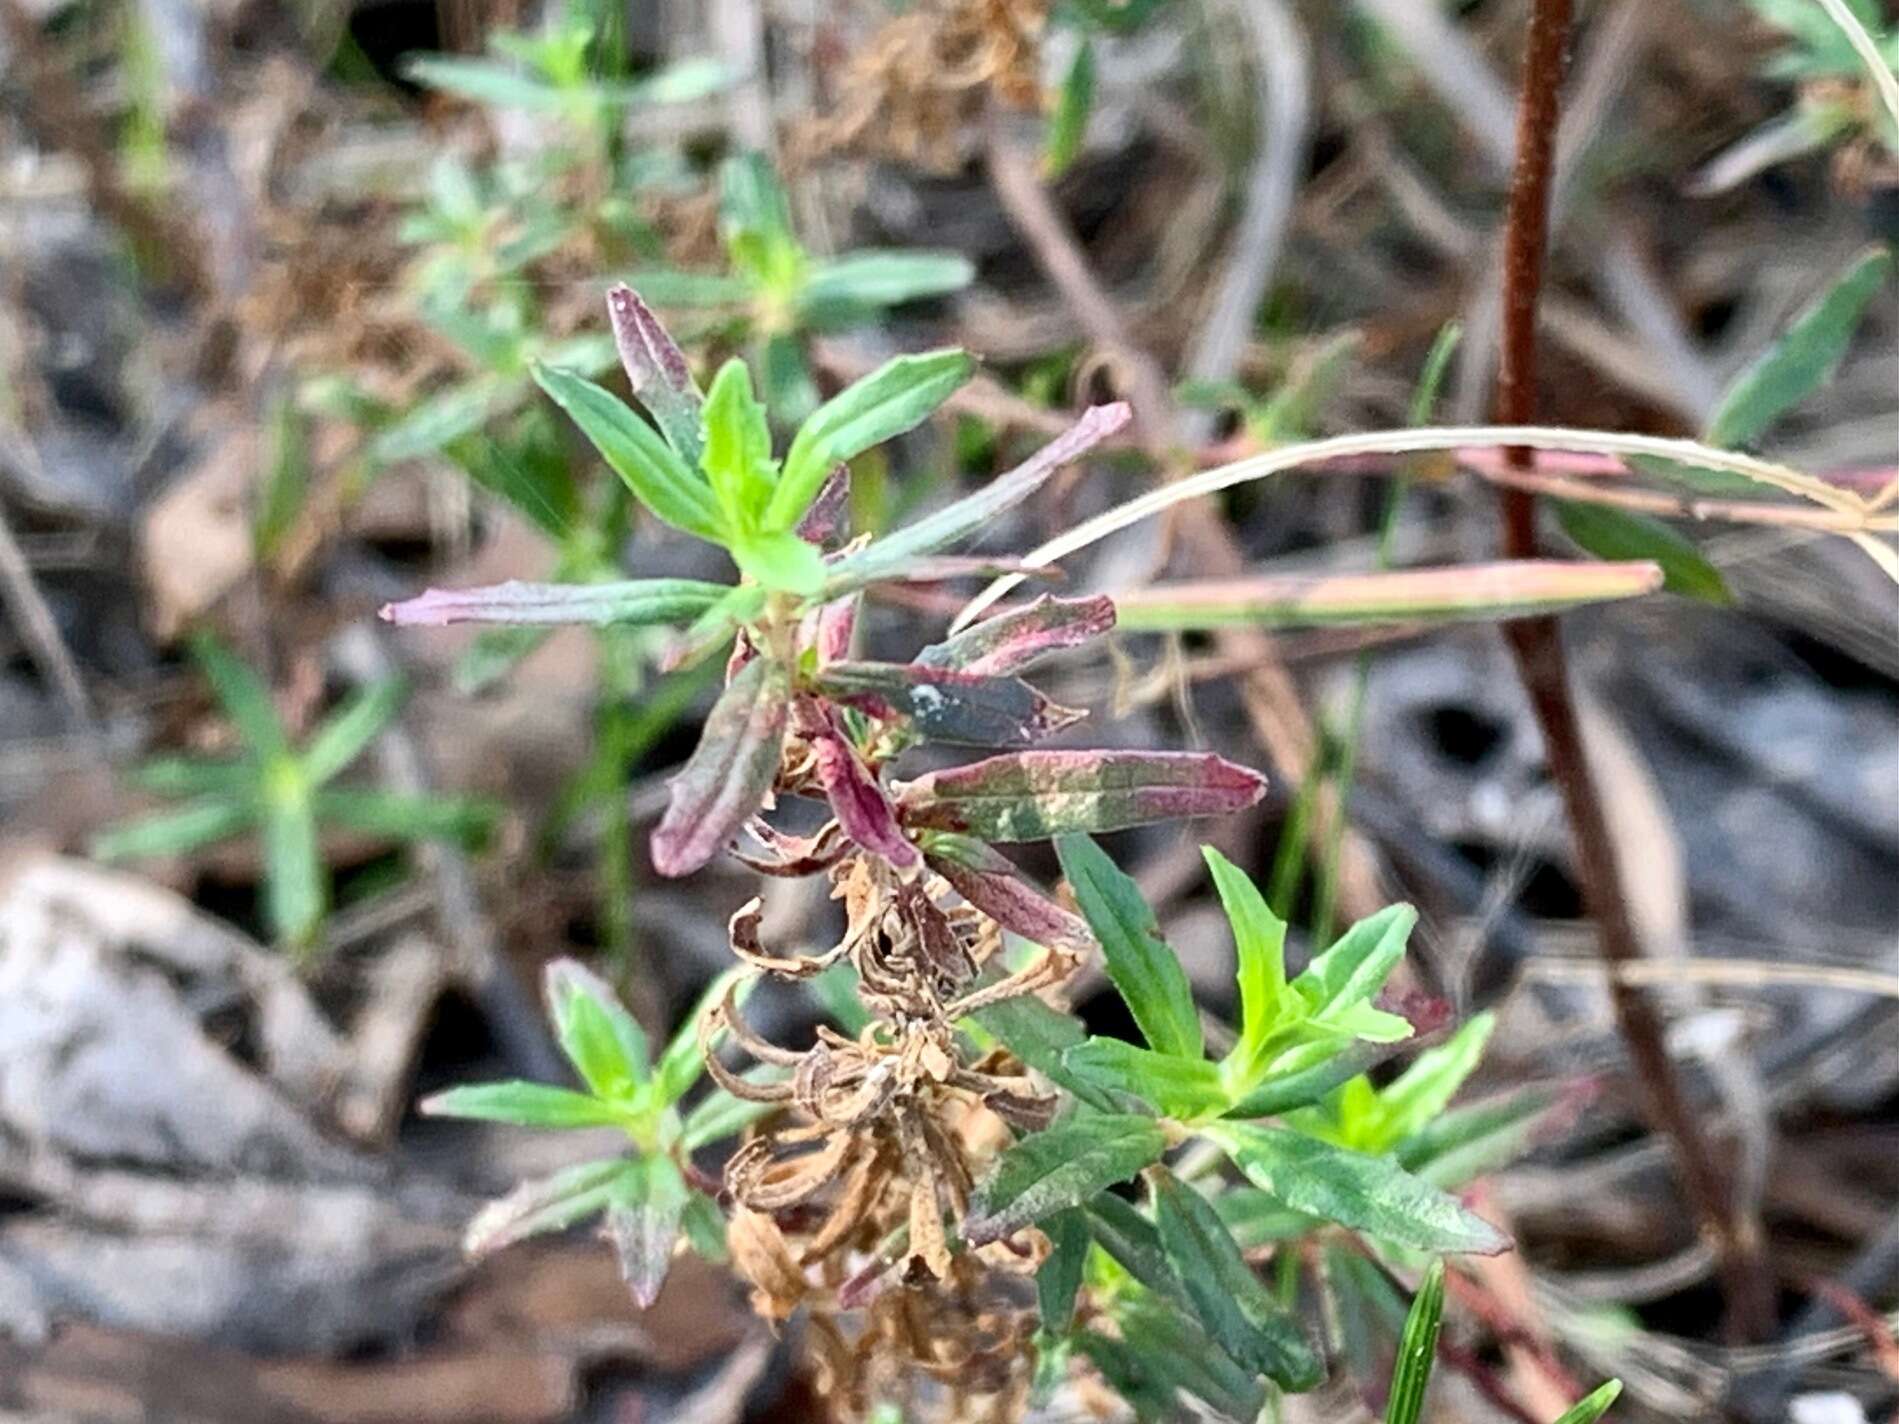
[[1536, 644]]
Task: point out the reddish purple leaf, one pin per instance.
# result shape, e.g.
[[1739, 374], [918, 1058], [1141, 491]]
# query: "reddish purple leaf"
[[638, 601], [729, 773], [662, 381], [1011, 642], [859, 802], [836, 621], [828, 518], [993, 884], [959, 708], [1030, 796]]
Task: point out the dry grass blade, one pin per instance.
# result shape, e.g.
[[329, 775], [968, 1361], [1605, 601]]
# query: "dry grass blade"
[[1507, 589], [1851, 513]]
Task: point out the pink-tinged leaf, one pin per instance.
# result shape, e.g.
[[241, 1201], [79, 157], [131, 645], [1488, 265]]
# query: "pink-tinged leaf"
[[1030, 796], [638, 601], [890, 556], [836, 621], [792, 857], [940, 568], [545, 1204], [1470, 592], [1014, 641], [859, 802], [643, 1219], [828, 519], [958, 708], [729, 773], [662, 381], [993, 884]]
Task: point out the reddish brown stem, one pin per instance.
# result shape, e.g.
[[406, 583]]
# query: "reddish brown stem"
[[1536, 644]]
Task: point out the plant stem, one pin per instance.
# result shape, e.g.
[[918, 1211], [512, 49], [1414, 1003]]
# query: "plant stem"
[[1536, 644]]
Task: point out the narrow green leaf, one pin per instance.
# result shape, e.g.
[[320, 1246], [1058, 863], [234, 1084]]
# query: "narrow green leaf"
[[1061, 1167], [659, 479], [1621, 534], [483, 80], [1130, 1238], [897, 396], [1058, 1279], [1238, 1311], [349, 729], [243, 696], [1170, 1342], [296, 887], [407, 818], [1589, 1410], [643, 1220], [603, 1041], [1416, 1096], [175, 832], [780, 560], [524, 1104], [189, 776], [1417, 1350], [1259, 945], [1180, 1087], [1370, 1194], [1068, 125], [1303, 1084], [1803, 359], [1467, 1142], [736, 447], [729, 773], [1040, 1036], [870, 278], [1356, 967], [1139, 961]]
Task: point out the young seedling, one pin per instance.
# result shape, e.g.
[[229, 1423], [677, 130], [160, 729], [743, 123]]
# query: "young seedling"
[[285, 794]]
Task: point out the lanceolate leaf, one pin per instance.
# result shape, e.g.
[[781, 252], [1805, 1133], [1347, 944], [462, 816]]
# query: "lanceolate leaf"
[[957, 708], [1033, 795], [1259, 944], [1040, 1036], [176, 832], [1284, 1092], [1238, 1311], [730, 771], [1139, 961], [896, 397], [602, 1040], [1169, 1342], [1061, 1167], [524, 1104], [1588, 1411], [1417, 1350], [993, 884], [637, 601], [1015, 641], [1621, 534], [736, 456], [1803, 359], [1465, 593], [1467, 1142], [859, 802], [549, 1204], [1059, 1279], [662, 381], [658, 477], [1369, 1194], [1180, 1087], [869, 277], [1356, 967], [966, 518], [1419, 1094], [1124, 1233], [643, 1218]]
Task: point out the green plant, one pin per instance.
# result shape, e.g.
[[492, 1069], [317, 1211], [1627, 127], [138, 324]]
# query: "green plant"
[[1834, 105], [652, 1197], [966, 1130], [285, 793], [776, 293]]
